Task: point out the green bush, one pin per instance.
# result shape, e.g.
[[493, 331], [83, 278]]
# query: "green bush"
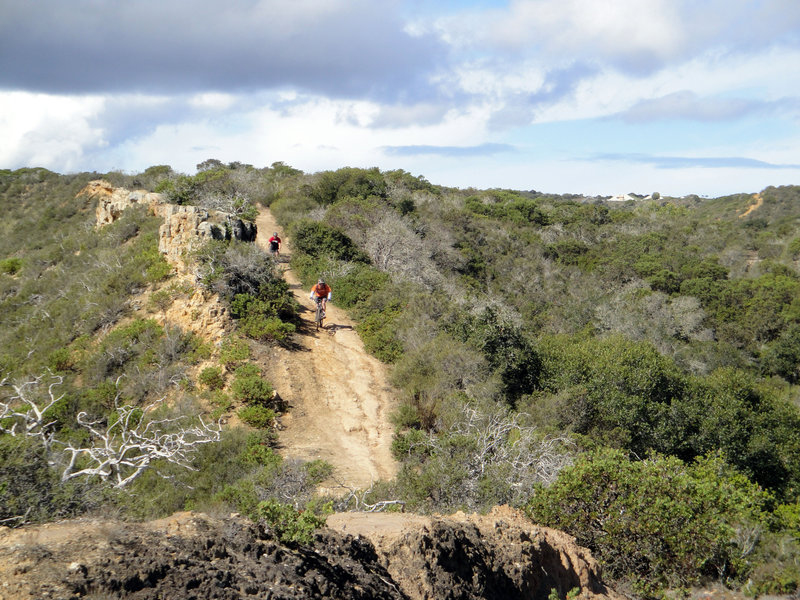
[[291, 525], [252, 389], [222, 404], [10, 266], [318, 239], [358, 285], [257, 416], [657, 522], [264, 328], [378, 332], [31, 490], [794, 248], [348, 182], [259, 451], [212, 378], [61, 360], [233, 352]]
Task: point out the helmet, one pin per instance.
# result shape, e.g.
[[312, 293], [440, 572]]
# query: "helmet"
[[321, 281], [275, 233]]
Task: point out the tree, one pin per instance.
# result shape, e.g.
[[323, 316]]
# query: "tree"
[[657, 522], [119, 449], [485, 457]]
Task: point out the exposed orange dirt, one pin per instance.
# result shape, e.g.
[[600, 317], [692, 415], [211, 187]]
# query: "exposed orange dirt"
[[338, 396]]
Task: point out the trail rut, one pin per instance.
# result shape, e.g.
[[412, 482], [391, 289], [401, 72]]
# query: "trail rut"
[[339, 401]]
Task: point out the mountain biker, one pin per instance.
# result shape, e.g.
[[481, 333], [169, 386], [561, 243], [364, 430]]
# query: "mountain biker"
[[321, 292], [275, 244]]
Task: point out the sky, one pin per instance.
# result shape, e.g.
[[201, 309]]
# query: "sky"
[[596, 97]]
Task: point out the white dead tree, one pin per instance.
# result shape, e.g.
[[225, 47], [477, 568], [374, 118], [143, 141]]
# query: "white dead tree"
[[124, 449], [494, 445], [21, 414], [356, 500], [120, 448]]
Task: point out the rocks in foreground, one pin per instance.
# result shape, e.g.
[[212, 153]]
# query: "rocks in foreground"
[[194, 556]]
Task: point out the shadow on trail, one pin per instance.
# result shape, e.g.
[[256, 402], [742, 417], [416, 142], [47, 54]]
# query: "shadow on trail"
[[333, 328]]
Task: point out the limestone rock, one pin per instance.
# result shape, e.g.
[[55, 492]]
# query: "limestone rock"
[[184, 230]]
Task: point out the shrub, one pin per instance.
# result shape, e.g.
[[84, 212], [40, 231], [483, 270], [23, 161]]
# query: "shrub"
[[222, 404], [657, 522], [358, 285], [30, 490], [257, 416], [265, 328], [252, 389], [794, 248], [258, 450], [378, 332], [318, 239], [233, 352], [212, 378], [291, 525], [10, 266], [161, 300], [61, 360]]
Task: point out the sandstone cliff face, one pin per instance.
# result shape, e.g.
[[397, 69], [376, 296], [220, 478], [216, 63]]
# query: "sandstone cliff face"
[[184, 230], [185, 227]]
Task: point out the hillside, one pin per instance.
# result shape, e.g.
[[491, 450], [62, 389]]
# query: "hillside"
[[625, 372]]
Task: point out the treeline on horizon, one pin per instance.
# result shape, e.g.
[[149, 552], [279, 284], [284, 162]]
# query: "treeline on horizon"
[[625, 371]]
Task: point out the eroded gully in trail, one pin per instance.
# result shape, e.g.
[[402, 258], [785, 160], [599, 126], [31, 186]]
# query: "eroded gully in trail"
[[339, 401]]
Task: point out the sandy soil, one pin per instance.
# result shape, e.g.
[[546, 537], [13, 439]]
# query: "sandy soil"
[[339, 401], [753, 207]]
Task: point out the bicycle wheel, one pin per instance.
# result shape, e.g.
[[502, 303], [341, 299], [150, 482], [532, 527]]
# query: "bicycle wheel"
[[319, 316]]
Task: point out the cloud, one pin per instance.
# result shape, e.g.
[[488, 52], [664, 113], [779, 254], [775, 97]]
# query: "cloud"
[[638, 37], [342, 48], [455, 151], [53, 132], [688, 162], [400, 115], [558, 85], [688, 105]]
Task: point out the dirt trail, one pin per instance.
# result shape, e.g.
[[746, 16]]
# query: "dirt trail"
[[338, 397], [759, 201]]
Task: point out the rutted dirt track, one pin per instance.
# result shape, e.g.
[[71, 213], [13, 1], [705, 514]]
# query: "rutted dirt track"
[[338, 397]]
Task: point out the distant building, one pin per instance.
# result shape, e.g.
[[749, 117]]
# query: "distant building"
[[626, 197]]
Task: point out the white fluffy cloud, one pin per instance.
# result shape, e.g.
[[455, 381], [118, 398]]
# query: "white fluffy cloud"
[[519, 94], [50, 131]]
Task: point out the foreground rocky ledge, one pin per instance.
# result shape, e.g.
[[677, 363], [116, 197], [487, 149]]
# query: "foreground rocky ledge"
[[358, 556]]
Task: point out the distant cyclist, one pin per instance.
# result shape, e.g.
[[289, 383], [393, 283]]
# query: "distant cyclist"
[[275, 244], [321, 293]]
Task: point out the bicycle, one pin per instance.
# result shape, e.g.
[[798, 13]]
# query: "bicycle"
[[319, 316]]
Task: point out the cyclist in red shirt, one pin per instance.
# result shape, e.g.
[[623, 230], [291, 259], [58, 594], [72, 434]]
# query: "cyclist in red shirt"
[[275, 244], [321, 292]]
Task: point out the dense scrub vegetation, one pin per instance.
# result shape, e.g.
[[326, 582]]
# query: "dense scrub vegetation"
[[627, 372], [661, 328], [90, 375]]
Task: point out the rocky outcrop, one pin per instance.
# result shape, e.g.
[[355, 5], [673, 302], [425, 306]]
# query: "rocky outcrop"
[[193, 556], [185, 227], [185, 557], [496, 556]]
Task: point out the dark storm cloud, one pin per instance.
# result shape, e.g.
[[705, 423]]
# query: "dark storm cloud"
[[481, 150], [353, 48], [684, 162]]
